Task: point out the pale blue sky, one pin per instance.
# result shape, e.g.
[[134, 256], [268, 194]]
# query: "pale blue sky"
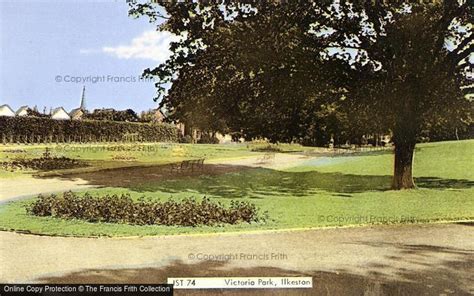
[[40, 40]]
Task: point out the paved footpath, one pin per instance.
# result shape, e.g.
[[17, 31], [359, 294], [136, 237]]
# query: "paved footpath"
[[17, 188], [436, 259]]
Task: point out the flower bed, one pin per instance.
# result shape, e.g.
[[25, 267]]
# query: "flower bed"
[[122, 209]]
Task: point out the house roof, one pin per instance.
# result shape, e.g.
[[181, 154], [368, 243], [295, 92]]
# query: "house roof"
[[56, 110], [75, 111], [22, 108], [7, 106]]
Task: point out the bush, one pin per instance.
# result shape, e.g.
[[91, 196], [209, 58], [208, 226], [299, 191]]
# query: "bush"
[[122, 209], [186, 139], [208, 139], [46, 162], [34, 129], [268, 148]]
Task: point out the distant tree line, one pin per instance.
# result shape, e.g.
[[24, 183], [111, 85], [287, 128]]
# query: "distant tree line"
[[127, 115], [107, 114]]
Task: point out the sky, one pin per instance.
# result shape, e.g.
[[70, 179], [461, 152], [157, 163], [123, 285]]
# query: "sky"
[[49, 50]]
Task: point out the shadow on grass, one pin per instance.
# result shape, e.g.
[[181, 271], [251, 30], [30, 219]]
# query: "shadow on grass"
[[439, 183], [233, 181], [348, 153], [449, 277]]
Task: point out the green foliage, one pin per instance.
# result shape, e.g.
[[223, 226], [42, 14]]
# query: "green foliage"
[[28, 129], [187, 139], [268, 148], [266, 70], [35, 113], [45, 163], [291, 71], [208, 139], [113, 115], [122, 209]]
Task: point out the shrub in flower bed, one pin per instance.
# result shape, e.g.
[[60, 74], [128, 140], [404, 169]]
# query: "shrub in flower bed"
[[45, 162], [122, 209]]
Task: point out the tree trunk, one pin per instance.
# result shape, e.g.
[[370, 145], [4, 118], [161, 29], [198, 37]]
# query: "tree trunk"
[[402, 176]]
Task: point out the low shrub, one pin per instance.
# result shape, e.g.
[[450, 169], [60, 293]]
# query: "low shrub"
[[186, 139], [122, 209], [268, 148], [44, 163], [121, 157], [14, 151], [208, 139]]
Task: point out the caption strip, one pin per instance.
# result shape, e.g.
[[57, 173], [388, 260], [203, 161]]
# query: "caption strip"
[[241, 282], [86, 289]]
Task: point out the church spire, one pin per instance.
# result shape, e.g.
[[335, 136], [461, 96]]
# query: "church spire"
[[83, 98]]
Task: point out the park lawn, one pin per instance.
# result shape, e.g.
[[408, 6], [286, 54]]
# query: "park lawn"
[[447, 160], [337, 191], [140, 152]]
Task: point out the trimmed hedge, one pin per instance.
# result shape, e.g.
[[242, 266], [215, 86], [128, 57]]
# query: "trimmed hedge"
[[35, 130], [122, 209]]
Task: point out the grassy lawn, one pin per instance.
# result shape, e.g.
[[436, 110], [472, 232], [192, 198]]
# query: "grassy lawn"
[[324, 191], [142, 152]]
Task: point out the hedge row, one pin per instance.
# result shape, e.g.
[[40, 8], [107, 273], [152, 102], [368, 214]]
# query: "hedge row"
[[35, 130]]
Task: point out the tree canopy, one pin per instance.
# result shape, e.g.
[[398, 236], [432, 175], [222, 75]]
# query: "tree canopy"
[[303, 71]]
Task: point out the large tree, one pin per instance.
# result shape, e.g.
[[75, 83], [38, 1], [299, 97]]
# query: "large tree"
[[284, 70]]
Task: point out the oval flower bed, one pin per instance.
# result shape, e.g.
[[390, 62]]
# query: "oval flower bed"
[[122, 209]]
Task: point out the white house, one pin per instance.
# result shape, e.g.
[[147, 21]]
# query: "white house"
[[60, 114], [23, 111], [5, 110]]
